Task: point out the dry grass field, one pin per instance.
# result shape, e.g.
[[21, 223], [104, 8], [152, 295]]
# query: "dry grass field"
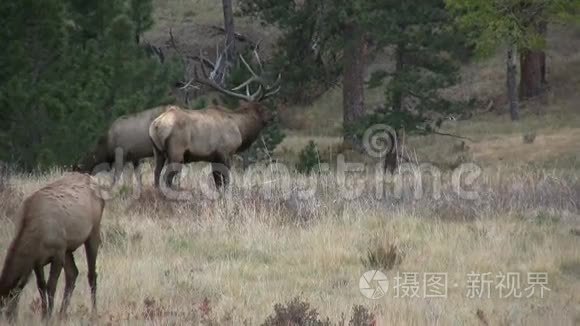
[[273, 237], [229, 258]]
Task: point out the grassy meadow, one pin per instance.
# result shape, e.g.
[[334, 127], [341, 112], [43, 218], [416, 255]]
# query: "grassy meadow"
[[273, 237], [229, 258]]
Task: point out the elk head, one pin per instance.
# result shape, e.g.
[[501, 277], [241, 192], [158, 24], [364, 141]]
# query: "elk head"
[[99, 154]]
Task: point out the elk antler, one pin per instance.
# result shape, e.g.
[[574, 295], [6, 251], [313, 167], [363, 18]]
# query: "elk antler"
[[269, 90], [264, 91]]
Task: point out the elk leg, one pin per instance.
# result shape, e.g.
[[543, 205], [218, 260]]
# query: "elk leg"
[[171, 175], [220, 171], [70, 272], [138, 175], [42, 290], [218, 176], [92, 249], [137, 171], [118, 164], [55, 269], [175, 163], [159, 162]]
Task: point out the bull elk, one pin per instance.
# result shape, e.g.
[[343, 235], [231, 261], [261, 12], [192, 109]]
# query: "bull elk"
[[214, 133], [53, 222]]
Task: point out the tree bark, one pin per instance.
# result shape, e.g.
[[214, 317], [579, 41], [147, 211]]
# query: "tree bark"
[[137, 34], [391, 161], [230, 44], [353, 82], [229, 29], [531, 73], [398, 92], [533, 69], [512, 83]]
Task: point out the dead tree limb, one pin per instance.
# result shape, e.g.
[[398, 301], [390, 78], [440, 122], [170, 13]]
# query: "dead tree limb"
[[187, 84], [450, 135]]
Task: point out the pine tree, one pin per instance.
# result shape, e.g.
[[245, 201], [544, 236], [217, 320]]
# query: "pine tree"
[[519, 26], [70, 69], [423, 42], [308, 51], [322, 40], [141, 14]]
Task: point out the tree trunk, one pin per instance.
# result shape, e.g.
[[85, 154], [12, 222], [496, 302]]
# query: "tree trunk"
[[137, 34], [391, 161], [533, 69], [353, 82], [229, 29], [543, 30], [531, 84], [398, 92], [230, 44], [512, 83]]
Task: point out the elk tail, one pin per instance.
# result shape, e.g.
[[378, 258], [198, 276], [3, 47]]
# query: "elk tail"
[[160, 130], [154, 135]]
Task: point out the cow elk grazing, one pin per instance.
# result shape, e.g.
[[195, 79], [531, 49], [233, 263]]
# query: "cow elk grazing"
[[214, 133], [129, 136], [53, 222]]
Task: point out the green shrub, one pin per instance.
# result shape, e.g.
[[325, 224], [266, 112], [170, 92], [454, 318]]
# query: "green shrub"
[[309, 159], [200, 104], [361, 317], [382, 257], [295, 312]]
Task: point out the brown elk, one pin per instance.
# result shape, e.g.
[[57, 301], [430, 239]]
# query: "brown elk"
[[129, 137], [214, 133], [53, 222]]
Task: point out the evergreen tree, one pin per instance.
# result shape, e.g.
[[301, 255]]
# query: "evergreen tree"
[[423, 43], [520, 26], [308, 51], [69, 69], [323, 39], [141, 14]]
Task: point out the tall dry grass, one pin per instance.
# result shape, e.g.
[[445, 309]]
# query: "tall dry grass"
[[227, 261]]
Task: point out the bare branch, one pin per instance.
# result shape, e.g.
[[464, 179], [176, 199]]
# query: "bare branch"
[[174, 45], [450, 135], [189, 85], [186, 85]]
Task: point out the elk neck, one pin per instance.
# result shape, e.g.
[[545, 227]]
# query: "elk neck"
[[99, 154], [249, 121]]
